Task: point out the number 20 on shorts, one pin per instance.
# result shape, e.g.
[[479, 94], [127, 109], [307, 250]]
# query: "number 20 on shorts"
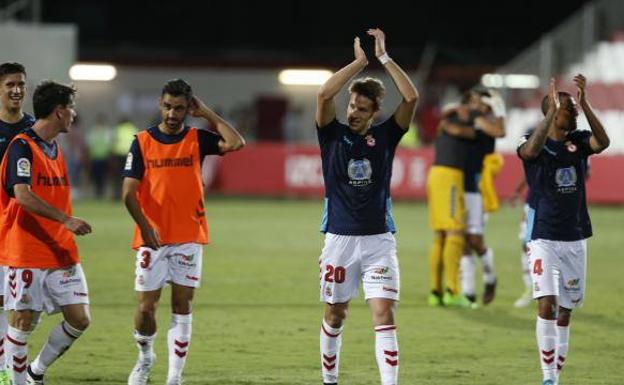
[[335, 274]]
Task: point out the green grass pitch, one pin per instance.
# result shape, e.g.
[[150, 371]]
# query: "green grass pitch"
[[256, 317]]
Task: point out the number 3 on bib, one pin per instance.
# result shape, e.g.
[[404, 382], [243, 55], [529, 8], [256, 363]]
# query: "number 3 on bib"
[[335, 274]]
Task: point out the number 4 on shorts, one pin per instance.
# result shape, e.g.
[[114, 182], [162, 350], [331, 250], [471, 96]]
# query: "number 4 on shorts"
[[537, 267]]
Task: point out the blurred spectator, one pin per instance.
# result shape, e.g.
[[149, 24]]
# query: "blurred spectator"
[[75, 153], [292, 123], [123, 135], [99, 141]]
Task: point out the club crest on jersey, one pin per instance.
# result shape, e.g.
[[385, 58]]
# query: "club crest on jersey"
[[23, 167], [566, 179], [571, 146], [360, 172], [370, 140]]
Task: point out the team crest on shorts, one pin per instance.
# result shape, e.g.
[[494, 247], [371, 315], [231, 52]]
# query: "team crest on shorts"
[[537, 287], [69, 272], [140, 280], [328, 291]]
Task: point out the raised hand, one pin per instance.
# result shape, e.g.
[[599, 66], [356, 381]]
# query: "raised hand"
[[380, 40], [77, 226], [580, 82], [358, 52], [553, 95], [197, 107]]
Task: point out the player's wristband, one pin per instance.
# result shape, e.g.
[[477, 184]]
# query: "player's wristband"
[[383, 59]]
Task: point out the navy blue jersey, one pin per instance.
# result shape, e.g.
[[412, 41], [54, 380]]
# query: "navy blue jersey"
[[20, 159], [476, 150], [9, 130], [208, 145], [357, 171], [557, 197]]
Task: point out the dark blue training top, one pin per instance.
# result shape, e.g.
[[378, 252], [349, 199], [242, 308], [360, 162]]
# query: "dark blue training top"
[[357, 171], [208, 145], [9, 130], [20, 160], [556, 179]]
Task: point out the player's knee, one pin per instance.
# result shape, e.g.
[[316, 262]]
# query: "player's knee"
[[22, 320], [563, 318], [547, 307], [335, 315], [383, 316], [147, 308], [81, 323]]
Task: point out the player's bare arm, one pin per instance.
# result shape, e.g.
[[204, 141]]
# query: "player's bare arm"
[[33, 204], [128, 195], [534, 145], [232, 139], [599, 141], [405, 111], [457, 129], [325, 105], [493, 126]]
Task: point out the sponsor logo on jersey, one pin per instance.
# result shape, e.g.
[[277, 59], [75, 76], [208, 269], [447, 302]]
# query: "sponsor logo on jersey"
[[571, 147], [360, 172], [566, 178], [129, 158], [347, 141], [170, 162], [23, 167], [52, 181], [370, 140]]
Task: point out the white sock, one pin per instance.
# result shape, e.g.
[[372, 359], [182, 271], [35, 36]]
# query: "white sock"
[[145, 345], [563, 338], [526, 271], [3, 331], [467, 273], [489, 275], [59, 340], [17, 354], [546, 333], [178, 341], [387, 354], [331, 341]]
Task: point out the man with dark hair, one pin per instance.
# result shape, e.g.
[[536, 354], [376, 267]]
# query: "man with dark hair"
[[164, 164], [446, 183], [359, 242], [490, 125], [37, 237], [555, 159], [12, 121]]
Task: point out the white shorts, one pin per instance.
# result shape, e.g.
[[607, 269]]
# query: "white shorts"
[[348, 259], [559, 268], [44, 289], [475, 216], [178, 263]]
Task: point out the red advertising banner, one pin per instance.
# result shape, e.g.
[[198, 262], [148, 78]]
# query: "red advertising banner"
[[275, 169]]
